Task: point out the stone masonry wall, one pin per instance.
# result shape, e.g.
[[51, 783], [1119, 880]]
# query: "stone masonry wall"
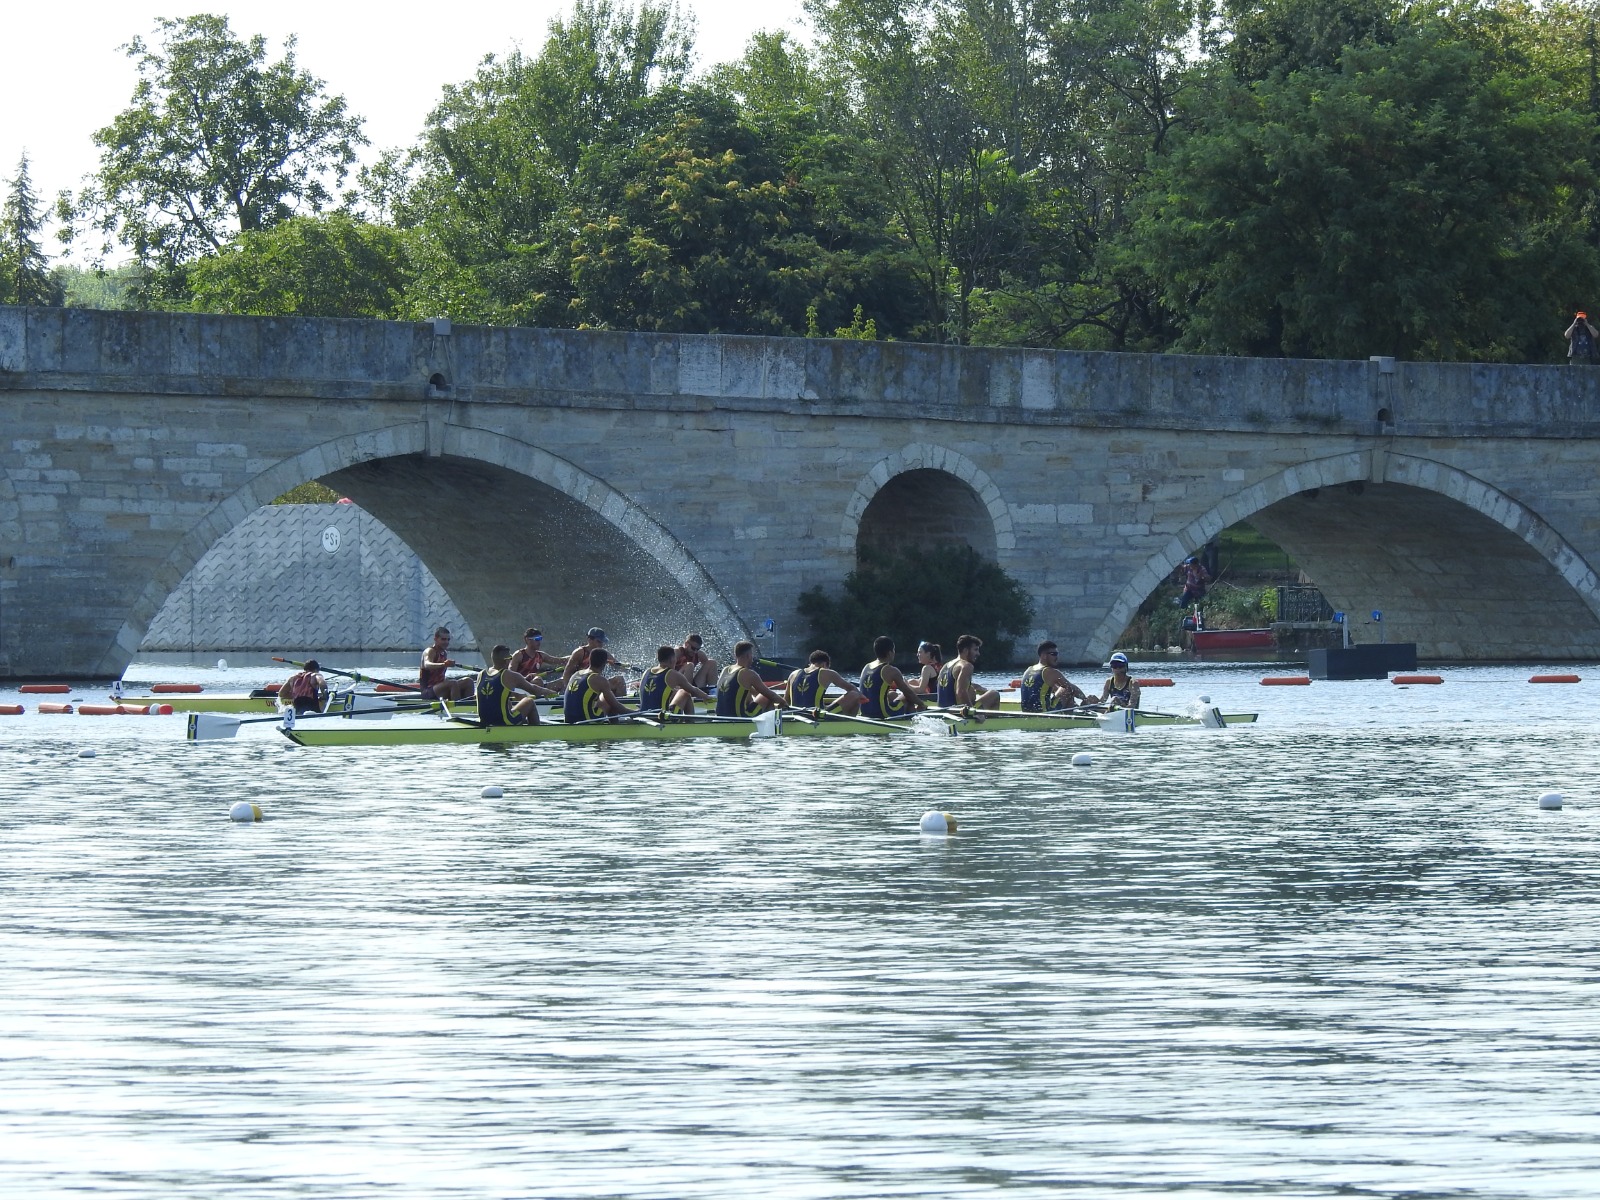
[[307, 578]]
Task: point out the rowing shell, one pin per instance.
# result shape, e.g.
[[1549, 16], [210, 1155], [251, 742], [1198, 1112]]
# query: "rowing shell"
[[216, 704], [340, 733]]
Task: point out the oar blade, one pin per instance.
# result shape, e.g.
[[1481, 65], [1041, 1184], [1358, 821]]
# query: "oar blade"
[[211, 727]]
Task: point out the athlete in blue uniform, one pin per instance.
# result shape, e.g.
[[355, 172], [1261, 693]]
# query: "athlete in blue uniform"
[[497, 688], [664, 686], [740, 692], [808, 687], [1045, 688], [588, 695], [956, 689], [1121, 691], [884, 690]]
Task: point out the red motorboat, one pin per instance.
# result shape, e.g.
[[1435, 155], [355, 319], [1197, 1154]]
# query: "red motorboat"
[[1208, 641]]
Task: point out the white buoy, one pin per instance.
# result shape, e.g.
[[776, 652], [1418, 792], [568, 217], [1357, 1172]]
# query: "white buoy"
[[1083, 759], [222, 664], [1550, 800], [937, 822], [492, 792], [85, 753], [244, 811]]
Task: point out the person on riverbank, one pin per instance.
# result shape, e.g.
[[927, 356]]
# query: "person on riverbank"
[[436, 660], [1044, 688], [1195, 581], [956, 686], [497, 687], [665, 686], [306, 692], [1121, 690], [808, 687], [1583, 342], [884, 690]]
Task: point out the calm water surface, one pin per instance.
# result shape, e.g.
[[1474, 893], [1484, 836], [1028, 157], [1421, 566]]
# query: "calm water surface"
[[1340, 953]]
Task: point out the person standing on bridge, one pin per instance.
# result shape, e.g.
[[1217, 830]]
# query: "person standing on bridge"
[[1583, 341], [436, 660]]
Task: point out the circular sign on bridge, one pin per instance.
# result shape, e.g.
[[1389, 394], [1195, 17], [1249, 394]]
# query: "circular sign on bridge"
[[330, 539]]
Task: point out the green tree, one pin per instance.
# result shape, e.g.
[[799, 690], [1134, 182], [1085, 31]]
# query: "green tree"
[[933, 592], [25, 276], [324, 266], [217, 141], [1422, 198], [492, 206]]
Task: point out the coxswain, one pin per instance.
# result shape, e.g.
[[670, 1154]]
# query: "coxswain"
[[1045, 689], [665, 686], [307, 692], [884, 690], [930, 657], [588, 695], [956, 689], [698, 666], [529, 659], [808, 687], [740, 691], [1120, 691], [436, 660], [497, 687]]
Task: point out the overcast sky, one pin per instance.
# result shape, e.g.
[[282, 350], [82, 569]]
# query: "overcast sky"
[[65, 77]]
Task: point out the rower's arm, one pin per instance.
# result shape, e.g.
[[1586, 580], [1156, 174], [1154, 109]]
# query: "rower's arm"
[[899, 681], [759, 686], [832, 678], [678, 681]]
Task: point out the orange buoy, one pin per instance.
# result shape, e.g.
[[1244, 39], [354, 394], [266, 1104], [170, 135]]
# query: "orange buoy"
[[49, 689], [164, 688], [98, 710], [12, 710], [392, 687], [55, 708], [1286, 681], [1144, 683], [1416, 679], [1531, 679]]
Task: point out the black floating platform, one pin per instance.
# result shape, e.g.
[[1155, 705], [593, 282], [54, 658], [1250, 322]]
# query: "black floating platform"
[[1362, 662]]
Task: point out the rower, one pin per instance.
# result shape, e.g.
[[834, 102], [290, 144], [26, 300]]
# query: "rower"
[[740, 692], [497, 687], [665, 686], [578, 661], [1045, 688], [884, 690], [307, 692], [930, 657], [588, 695], [956, 689], [698, 666], [530, 659], [808, 687], [436, 660], [1120, 691]]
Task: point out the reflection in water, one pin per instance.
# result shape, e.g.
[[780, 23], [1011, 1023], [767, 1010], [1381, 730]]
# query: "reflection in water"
[[1341, 953]]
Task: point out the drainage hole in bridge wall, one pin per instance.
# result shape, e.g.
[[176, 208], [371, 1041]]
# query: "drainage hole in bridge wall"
[[1383, 415], [438, 384]]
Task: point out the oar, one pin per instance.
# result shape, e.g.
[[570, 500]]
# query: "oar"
[[208, 727], [359, 677]]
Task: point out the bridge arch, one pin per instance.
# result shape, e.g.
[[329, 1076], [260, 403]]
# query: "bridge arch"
[[357, 465], [1521, 526], [909, 465]]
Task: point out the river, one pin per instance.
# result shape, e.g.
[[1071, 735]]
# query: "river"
[[1338, 953]]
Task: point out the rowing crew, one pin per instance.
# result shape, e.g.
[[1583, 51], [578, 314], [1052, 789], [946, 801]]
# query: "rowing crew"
[[884, 692], [529, 660]]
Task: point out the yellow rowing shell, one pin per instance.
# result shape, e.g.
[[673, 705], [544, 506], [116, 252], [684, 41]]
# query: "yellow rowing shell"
[[340, 732]]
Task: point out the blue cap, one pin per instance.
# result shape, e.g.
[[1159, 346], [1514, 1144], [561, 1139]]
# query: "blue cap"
[[597, 634], [1120, 657]]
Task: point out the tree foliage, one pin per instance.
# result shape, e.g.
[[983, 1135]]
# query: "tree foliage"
[[928, 592], [217, 141], [327, 266], [25, 276]]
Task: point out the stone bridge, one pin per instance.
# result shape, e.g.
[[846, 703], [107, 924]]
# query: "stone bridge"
[[653, 483]]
